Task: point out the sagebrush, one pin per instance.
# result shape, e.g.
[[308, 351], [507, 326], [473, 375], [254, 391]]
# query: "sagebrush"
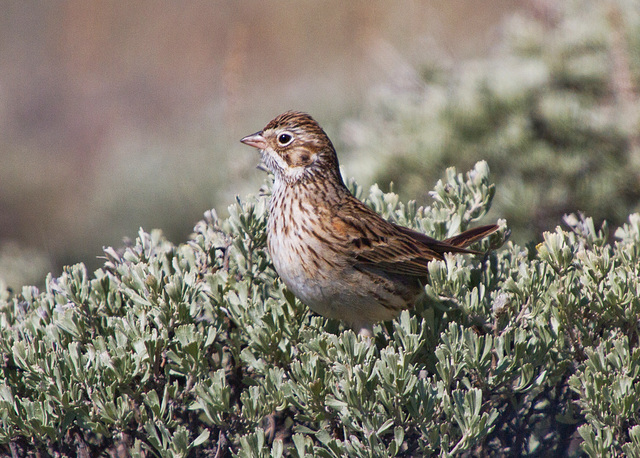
[[198, 348]]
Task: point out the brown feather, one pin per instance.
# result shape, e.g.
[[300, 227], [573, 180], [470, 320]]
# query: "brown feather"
[[337, 255], [391, 248]]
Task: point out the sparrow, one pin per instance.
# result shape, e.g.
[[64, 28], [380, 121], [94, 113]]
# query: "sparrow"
[[339, 257]]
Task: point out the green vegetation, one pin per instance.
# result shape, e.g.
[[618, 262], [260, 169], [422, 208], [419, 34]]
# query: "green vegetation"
[[554, 111], [197, 348]]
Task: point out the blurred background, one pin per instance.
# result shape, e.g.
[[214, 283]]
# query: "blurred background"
[[119, 115]]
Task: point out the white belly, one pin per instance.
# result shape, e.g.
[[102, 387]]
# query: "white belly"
[[318, 276], [297, 256], [310, 259]]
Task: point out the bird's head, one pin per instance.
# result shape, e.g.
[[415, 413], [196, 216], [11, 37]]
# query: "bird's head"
[[295, 148]]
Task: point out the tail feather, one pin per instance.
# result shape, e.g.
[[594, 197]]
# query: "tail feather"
[[455, 244], [470, 236]]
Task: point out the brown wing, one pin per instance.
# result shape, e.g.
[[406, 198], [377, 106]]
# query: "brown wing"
[[379, 244], [397, 254]]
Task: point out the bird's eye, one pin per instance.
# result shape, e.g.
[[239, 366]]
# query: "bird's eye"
[[284, 139]]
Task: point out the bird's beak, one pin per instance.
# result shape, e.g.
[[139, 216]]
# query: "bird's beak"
[[256, 140]]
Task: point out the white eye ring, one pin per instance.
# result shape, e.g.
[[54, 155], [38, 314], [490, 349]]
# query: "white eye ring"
[[284, 138]]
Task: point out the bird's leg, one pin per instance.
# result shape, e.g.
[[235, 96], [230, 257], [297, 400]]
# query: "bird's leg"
[[364, 329]]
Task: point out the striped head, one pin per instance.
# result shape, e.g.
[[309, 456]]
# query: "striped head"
[[295, 148]]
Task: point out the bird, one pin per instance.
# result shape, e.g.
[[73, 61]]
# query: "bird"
[[338, 256]]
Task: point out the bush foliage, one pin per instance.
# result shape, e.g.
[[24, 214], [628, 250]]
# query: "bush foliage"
[[554, 111], [199, 350]]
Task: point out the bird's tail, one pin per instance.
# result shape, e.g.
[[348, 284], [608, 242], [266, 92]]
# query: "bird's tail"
[[455, 244], [470, 236]]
